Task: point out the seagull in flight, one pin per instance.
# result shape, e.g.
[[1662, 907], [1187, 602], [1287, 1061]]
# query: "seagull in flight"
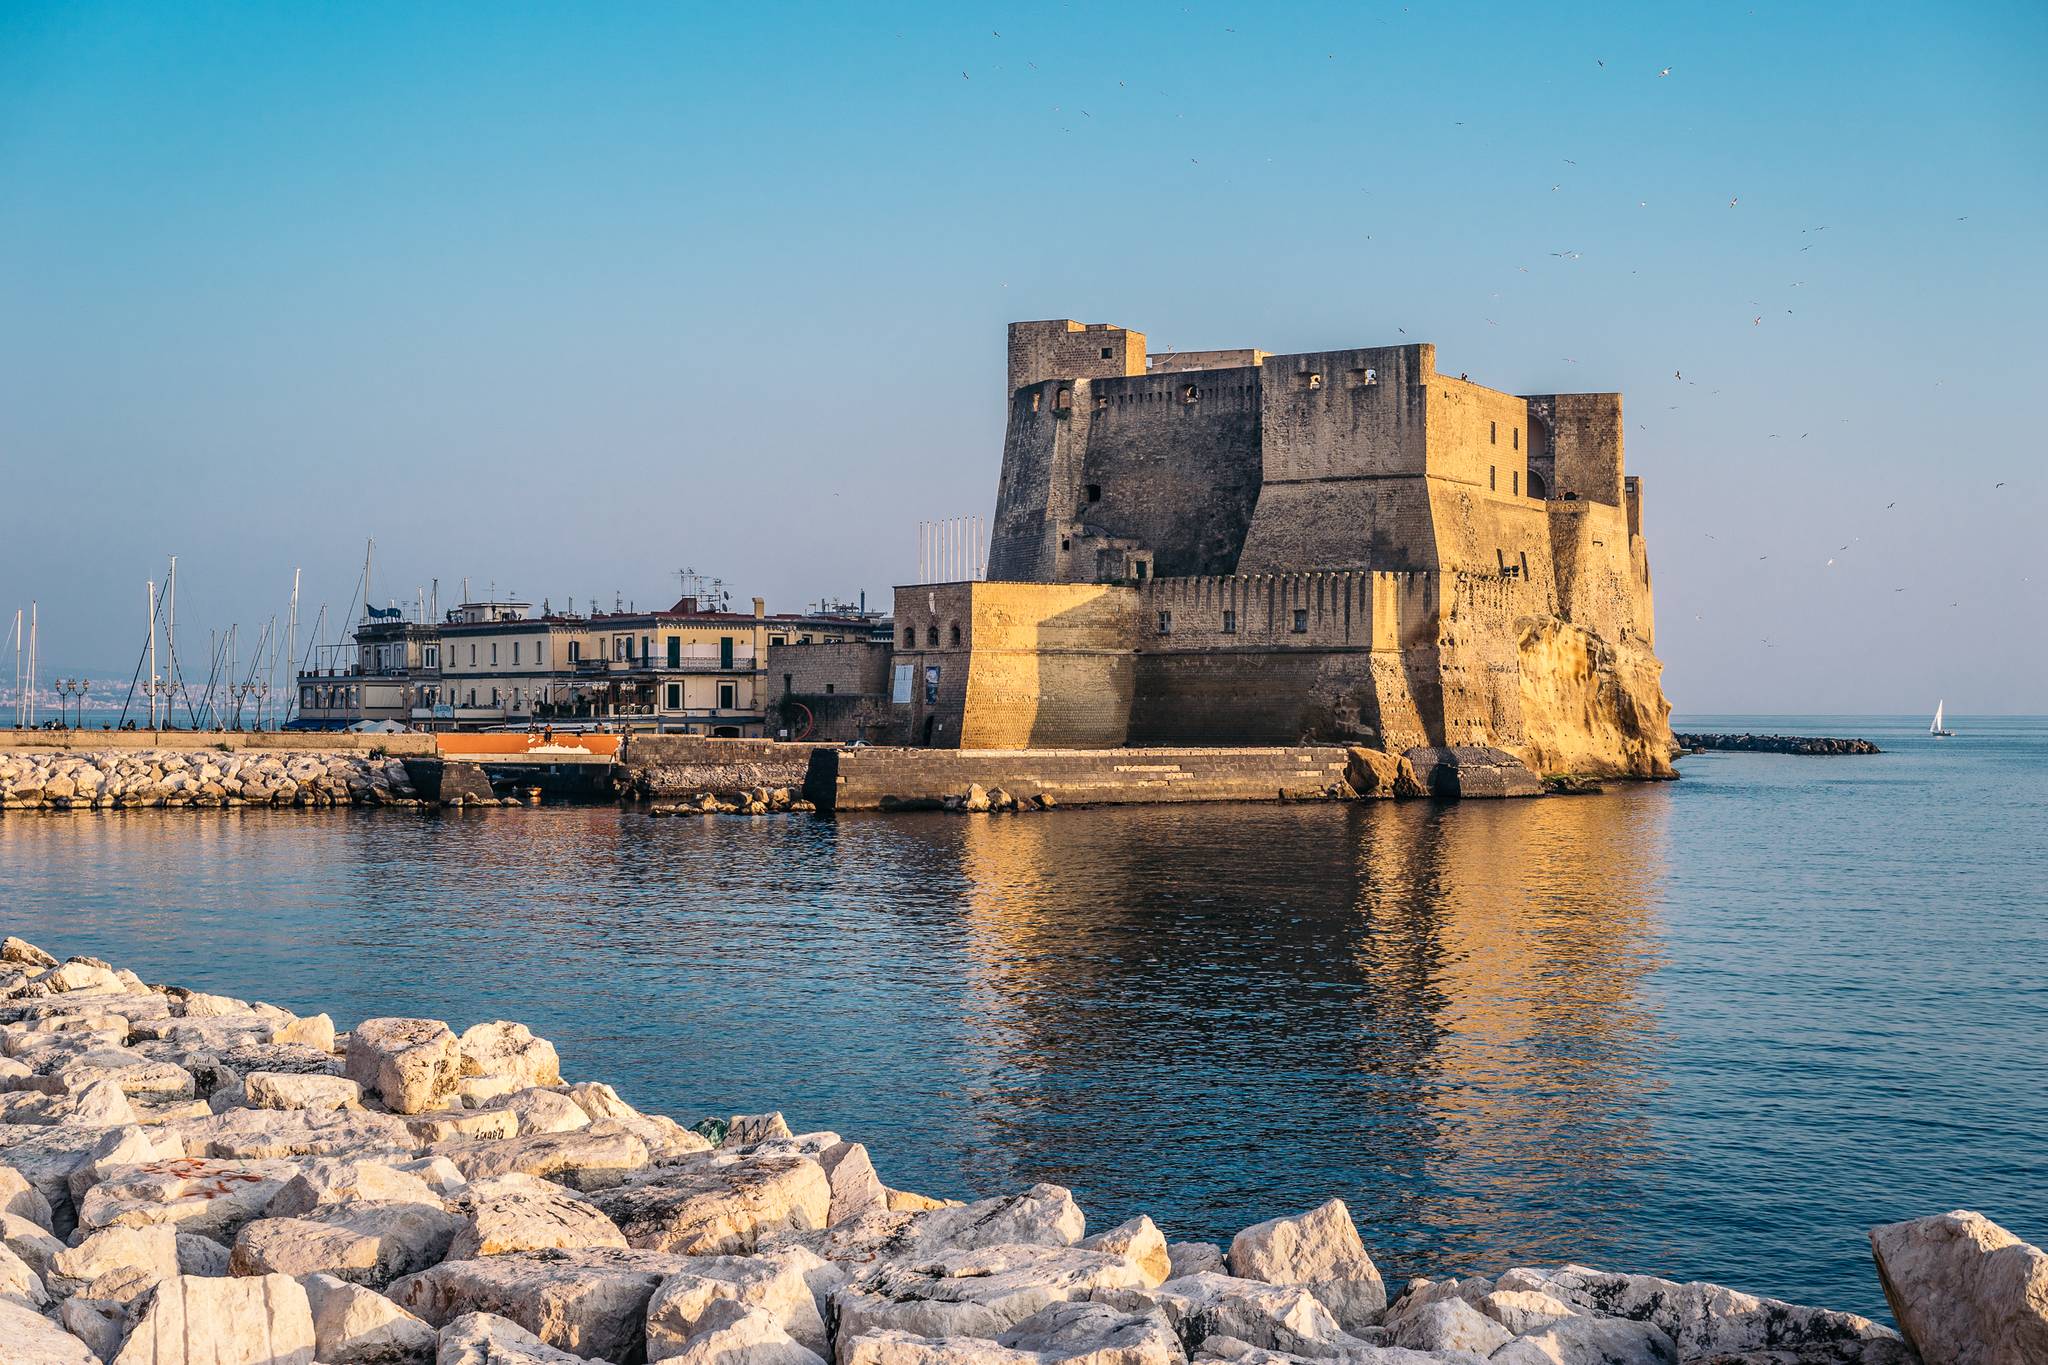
[[1662, 74]]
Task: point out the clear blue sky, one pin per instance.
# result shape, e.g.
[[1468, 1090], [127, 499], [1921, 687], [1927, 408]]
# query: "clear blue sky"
[[568, 297]]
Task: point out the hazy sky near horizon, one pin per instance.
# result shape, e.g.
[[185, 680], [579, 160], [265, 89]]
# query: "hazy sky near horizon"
[[566, 298]]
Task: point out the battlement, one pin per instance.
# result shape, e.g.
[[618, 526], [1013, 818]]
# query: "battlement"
[[1065, 349]]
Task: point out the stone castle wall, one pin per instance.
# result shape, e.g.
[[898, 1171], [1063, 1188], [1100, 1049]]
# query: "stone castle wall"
[[1433, 540]]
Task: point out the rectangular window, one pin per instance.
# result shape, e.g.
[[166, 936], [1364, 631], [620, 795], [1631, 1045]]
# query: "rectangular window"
[[575, 651], [675, 651], [1518, 438], [728, 696], [515, 653], [1492, 479], [675, 696], [828, 689], [472, 654], [1525, 564], [1301, 620], [1229, 621], [725, 651], [1515, 482], [1166, 623], [1493, 433], [494, 651]]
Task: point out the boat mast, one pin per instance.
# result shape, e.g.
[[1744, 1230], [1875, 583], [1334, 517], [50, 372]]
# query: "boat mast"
[[292, 650], [32, 665], [150, 686]]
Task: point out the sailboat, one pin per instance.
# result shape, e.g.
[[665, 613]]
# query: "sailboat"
[[1936, 729]]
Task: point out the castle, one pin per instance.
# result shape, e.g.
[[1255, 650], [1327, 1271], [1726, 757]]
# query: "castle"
[[1234, 547]]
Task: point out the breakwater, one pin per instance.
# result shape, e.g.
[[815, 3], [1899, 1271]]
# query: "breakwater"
[[198, 1177], [61, 779], [1774, 744]]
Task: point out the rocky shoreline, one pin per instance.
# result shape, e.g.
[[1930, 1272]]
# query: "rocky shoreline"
[[59, 779], [191, 1179], [1773, 744]]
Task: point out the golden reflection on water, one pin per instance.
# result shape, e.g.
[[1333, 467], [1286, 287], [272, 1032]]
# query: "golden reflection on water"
[[1449, 1002]]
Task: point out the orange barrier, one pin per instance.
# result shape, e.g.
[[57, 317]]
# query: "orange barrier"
[[566, 745]]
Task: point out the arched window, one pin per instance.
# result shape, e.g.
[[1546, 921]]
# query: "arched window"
[[1536, 486], [956, 635], [931, 636], [910, 637]]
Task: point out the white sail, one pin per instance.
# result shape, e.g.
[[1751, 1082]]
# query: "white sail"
[[1935, 728]]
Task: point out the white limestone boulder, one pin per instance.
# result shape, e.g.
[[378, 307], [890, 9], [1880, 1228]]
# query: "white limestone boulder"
[[524, 1213], [1451, 1325], [1965, 1289], [856, 1189], [291, 1090], [456, 1125], [588, 1159], [364, 1243], [280, 1133], [32, 1242], [777, 1283], [719, 1203], [1321, 1250], [340, 1180], [541, 1111], [33, 1339], [128, 1145], [744, 1130], [357, 1326], [731, 1333], [503, 1048], [1703, 1319], [1269, 1316], [1138, 1241], [1043, 1215], [1195, 1258], [591, 1301], [412, 1065], [1590, 1339], [487, 1339], [1095, 1333], [201, 1255], [978, 1293], [191, 1194], [152, 1249], [1522, 1311], [21, 1198], [19, 1280], [263, 1320]]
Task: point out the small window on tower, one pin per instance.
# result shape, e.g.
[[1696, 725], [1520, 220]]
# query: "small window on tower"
[[1493, 478], [956, 635], [1166, 623], [1493, 433], [1107, 352], [1190, 394], [1229, 621], [1066, 544], [1034, 401], [1518, 438], [1095, 492], [1301, 620]]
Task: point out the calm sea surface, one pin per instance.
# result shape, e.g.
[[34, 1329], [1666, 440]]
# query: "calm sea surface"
[[1713, 1028]]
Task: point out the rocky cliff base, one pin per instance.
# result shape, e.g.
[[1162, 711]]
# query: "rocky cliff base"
[[192, 1179], [1591, 707]]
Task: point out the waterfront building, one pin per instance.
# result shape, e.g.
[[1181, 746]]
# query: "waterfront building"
[[693, 668]]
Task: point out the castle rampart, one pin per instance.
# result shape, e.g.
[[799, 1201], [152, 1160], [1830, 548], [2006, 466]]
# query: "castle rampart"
[[1335, 545]]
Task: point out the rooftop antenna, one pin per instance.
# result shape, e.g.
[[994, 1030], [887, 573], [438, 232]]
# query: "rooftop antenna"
[[465, 587], [434, 602]]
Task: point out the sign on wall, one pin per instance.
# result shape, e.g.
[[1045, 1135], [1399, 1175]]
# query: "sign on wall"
[[931, 683], [900, 693]]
